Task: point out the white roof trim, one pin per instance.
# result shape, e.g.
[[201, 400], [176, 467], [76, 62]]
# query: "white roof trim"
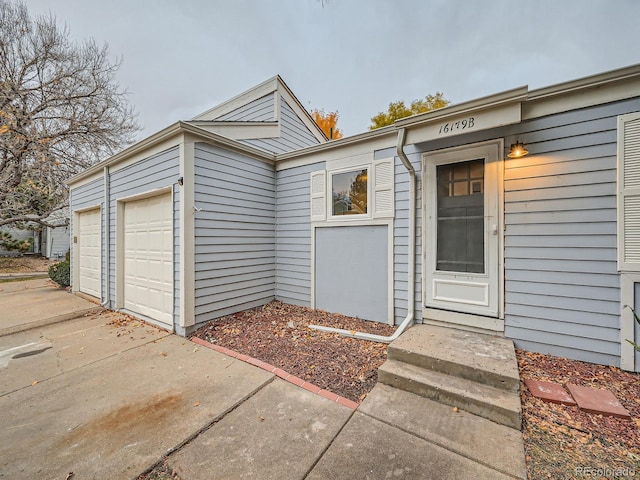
[[275, 84], [174, 131], [592, 81], [240, 100], [241, 130]]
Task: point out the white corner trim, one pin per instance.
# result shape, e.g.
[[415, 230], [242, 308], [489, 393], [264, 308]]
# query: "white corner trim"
[[627, 322], [187, 236]]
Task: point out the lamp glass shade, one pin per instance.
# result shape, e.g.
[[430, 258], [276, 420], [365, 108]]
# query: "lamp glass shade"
[[517, 150]]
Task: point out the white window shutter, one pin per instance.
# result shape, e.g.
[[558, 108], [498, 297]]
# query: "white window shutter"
[[629, 192], [318, 196], [383, 188]]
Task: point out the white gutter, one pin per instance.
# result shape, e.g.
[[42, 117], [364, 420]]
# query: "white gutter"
[[107, 233], [411, 281]]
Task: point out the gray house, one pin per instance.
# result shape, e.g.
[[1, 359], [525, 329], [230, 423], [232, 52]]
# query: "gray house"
[[515, 214]]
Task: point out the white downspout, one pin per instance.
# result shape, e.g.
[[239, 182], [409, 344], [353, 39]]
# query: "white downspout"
[[107, 233], [411, 281]]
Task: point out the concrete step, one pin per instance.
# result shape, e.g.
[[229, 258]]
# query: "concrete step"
[[483, 441], [495, 404], [486, 359]]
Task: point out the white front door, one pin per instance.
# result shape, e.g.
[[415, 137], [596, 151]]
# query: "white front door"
[[462, 229]]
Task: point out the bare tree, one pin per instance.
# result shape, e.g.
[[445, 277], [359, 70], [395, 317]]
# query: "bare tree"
[[61, 111]]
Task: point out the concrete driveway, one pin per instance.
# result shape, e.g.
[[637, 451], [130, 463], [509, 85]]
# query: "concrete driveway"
[[107, 396]]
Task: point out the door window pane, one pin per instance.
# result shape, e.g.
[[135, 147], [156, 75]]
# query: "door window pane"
[[460, 222]]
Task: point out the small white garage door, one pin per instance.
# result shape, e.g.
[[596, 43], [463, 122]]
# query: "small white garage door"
[[148, 257], [88, 251]]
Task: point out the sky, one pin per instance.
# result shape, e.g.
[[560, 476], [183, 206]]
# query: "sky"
[[180, 58]]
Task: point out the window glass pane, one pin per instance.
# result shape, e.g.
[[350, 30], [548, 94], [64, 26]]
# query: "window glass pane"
[[476, 169], [460, 223], [349, 192], [460, 188]]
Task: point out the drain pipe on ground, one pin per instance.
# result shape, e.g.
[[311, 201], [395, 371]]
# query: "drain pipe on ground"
[[411, 259]]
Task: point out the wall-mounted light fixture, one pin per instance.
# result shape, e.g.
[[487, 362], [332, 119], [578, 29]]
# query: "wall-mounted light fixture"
[[517, 150], [181, 181]]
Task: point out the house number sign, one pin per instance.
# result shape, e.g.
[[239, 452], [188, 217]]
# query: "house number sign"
[[457, 126]]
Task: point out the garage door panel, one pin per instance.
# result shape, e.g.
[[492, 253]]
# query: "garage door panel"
[[148, 263], [89, 253]]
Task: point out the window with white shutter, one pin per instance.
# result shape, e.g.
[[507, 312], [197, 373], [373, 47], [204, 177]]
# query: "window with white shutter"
[[629, 192], [383, 198], [318, 196]]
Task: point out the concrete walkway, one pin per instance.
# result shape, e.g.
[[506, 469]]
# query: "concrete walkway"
[[108, 398], [26, 303]]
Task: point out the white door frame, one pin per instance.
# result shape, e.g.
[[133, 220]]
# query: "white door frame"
[[478, 320], [75, 246], [119, 270]]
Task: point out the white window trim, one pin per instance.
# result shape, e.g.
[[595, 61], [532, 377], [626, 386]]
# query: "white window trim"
[[344, 218]]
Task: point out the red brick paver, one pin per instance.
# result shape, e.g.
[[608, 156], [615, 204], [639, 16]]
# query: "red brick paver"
[[600, 401], [549, 392]]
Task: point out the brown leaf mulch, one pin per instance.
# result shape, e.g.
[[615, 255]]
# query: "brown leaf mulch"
[[563, 442], [24, 264], [278, 333]]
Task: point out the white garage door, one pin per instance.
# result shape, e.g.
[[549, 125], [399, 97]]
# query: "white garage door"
[[88, 251], [148, 257]]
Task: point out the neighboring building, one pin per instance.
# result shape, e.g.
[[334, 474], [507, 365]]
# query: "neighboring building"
[[50, 242], [21, 234], [249, 202]]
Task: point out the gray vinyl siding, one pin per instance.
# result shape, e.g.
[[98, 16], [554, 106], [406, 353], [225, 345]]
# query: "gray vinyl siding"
[[562, 286], [260, 110], [57, 242], [87, 196], [401, 233], [155, 172], [234, 232], [294, 134], [293, 234]]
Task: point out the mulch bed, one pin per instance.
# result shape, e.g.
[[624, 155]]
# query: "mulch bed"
[[564, 442], [278, 333]]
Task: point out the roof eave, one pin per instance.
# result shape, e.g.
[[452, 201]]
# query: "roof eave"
[[173, 130]]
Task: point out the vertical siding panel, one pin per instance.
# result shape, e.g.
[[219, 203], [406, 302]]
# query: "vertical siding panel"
[[234, 232], [293, 234]]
